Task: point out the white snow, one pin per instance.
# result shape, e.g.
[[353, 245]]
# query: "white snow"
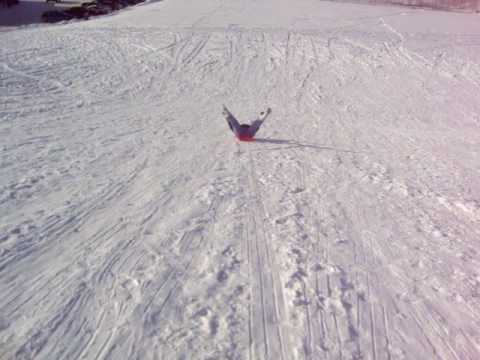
[[134, 226]]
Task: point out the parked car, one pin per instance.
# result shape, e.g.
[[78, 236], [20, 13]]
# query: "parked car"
[[54, 16], [78, 12], [95, 10]]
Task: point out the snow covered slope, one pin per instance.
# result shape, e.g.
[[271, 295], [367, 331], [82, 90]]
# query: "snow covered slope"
[[133, 225]]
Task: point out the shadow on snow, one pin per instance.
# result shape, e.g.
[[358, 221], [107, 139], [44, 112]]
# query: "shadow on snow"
[[288, 144]]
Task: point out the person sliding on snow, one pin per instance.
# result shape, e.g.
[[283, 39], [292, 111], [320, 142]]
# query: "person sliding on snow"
[[244, 132]]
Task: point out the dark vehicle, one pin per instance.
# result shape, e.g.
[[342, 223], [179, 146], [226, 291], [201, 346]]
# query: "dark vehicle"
[[54, 16], [86, 10], [112, 4], [95, 10], [78, 12]]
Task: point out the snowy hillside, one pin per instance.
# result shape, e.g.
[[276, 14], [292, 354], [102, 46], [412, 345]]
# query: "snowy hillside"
[[134, 226]]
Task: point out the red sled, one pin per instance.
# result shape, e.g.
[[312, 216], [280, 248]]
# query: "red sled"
[[245, 138]]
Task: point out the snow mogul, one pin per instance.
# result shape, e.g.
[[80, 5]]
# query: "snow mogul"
[[245, 132]]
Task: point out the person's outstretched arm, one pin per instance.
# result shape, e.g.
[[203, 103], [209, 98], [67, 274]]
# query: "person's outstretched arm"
[[232, 122], [257, 123]]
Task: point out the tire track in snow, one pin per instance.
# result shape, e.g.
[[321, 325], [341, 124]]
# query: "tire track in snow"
[[266, 288], [59, 228], [196, 50], [337, 284], [296, 56], [45, 288]]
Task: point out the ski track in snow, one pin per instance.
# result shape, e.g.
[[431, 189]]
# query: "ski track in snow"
[[134, 226]]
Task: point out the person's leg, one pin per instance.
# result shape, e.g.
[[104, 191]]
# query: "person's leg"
[[232, 122], [257, 123]]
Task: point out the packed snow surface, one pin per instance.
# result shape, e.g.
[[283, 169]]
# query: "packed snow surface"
[[134, 226]]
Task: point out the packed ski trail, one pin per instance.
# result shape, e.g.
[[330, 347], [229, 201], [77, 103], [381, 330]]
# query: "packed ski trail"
[[134, 226]]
